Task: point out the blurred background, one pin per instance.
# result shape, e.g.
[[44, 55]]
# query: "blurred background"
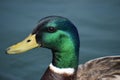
[[98, 23]]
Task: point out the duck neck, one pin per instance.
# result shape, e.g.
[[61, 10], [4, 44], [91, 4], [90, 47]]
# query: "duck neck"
[[65, 61], [66, 56]]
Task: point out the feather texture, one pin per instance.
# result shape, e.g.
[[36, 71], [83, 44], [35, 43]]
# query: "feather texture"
[[105, 68]]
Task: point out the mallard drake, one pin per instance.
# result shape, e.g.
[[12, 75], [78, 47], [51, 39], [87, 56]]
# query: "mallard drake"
[[61, 36]]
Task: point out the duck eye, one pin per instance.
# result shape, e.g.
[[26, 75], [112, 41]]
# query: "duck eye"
[[51, 29]]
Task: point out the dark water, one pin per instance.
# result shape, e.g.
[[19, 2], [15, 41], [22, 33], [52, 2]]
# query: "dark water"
[[98, 22]]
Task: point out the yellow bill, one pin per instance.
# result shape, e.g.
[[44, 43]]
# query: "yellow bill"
[[25, 45]]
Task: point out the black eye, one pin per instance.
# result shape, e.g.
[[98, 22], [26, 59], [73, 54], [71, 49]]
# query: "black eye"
[[51, 29]]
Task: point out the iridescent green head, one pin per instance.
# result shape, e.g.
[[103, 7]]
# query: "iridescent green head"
[[58, 34]]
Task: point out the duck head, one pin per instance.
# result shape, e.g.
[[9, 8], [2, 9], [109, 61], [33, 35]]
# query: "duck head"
[[55, 33]]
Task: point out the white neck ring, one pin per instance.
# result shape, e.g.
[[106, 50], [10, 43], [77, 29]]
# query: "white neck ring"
[[69, 71]]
